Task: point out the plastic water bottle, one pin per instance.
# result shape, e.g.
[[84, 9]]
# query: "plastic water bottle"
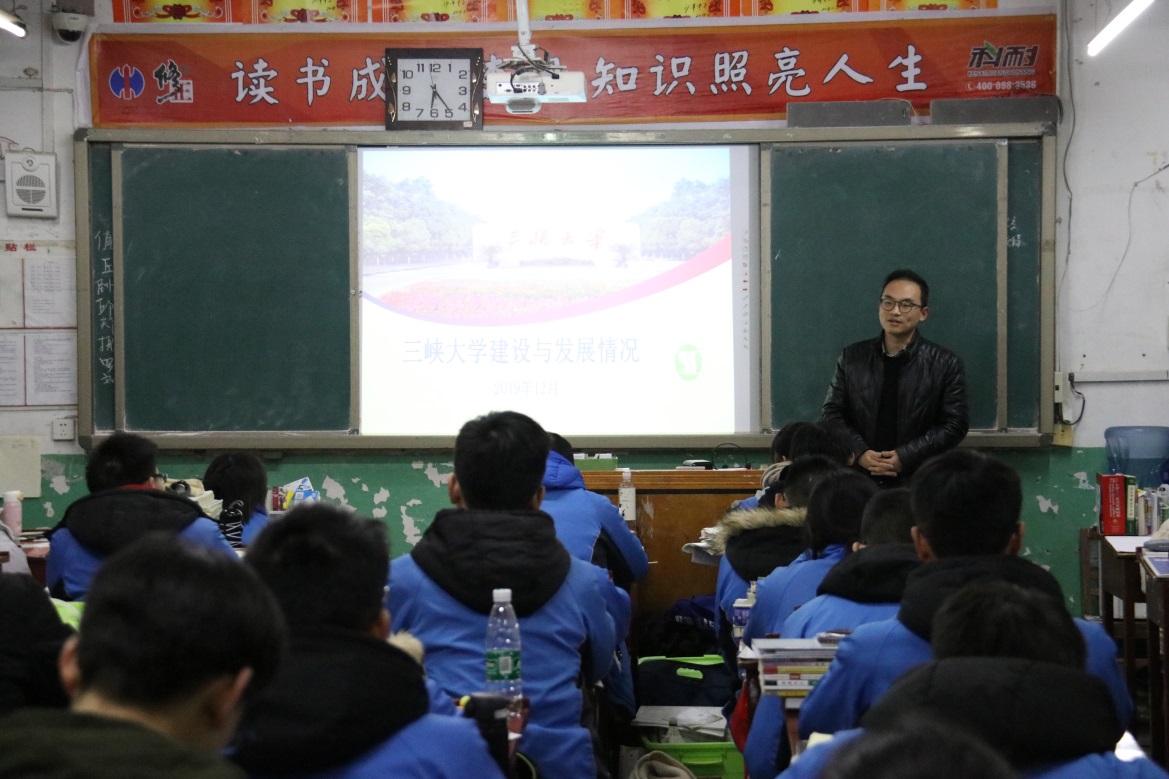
[[627, 498], [503, 654]]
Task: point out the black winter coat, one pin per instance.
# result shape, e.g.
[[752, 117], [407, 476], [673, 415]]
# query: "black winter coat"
[[931, 399]]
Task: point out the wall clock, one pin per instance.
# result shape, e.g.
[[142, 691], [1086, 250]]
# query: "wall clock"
[[434, 89]]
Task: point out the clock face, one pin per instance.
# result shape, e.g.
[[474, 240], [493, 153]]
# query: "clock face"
[[434, 89]]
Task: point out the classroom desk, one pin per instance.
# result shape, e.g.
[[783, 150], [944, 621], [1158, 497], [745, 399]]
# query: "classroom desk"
[[1120, 577], [672, 507], [4, 557], [1156, 589]]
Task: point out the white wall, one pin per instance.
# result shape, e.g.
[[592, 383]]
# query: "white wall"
[[1120, 102]]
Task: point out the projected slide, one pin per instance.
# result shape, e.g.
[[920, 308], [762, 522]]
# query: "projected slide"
[[595, 289]]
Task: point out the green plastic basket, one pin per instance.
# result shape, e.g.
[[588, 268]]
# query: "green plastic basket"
[[707, 759]]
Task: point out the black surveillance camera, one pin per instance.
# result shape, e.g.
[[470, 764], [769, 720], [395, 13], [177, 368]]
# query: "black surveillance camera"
[[69, 27]]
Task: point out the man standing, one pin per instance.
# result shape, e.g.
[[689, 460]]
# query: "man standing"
[[901, 397]]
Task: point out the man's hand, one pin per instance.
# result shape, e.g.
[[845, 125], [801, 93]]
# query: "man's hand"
[[880, 463]]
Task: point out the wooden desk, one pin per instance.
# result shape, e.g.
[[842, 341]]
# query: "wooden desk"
[[1157, 596], [672, 507], [4, 557], [1120, 577]]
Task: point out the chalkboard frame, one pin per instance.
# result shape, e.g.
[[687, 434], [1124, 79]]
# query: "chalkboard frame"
[[90, 144]]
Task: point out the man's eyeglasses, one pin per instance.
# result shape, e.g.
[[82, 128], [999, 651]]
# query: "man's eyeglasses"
[[904, 306], [159, 476]]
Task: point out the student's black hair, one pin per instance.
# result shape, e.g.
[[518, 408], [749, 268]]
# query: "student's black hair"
[[803, 474], [835, 508], [240, 480], [163, 618], [325, 565], [781, 444], [822, 438], [1000, 619], [904, 274], [500, 459], [888, 518], [966, 503], [916, 748], [121, 459], [560, 445]]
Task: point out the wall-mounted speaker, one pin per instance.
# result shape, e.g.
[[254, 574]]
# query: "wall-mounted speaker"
[[31, 187]]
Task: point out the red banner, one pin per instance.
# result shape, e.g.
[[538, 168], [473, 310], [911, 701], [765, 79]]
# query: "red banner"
[[725, 73]]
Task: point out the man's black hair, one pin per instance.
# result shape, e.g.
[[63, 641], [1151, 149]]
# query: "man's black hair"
[[499, 460], [888, 518], [803, 475], [835, 509], [904, 274], [560, 445], [325, 565], [164, 618], [781, 444], [121, 459], [1000, 619], [823, 438], [916, 748], [966, 503], [238, 477]]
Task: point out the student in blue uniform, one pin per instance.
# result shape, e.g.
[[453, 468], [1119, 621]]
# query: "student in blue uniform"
[[1009, 671], [345, 703], [967, 506], [497, 537], [240, 481], [126, 501]]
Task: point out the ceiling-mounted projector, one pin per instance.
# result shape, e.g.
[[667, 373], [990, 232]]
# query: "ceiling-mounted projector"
[[524, 92]]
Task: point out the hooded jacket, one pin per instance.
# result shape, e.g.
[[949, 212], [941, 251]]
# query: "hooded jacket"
[[870, 659], [441, 592], [931, 399], [100, 524], [345, 704], [1046, 720], [866, 586], [753, 543], [589, 525]]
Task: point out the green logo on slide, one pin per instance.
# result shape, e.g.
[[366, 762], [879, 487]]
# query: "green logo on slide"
[[688, 362]]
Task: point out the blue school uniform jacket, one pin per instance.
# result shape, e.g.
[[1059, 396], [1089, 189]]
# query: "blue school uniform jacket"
[[875, 655], [96, 526], [1047, 720], [441, 592], [345, 705], [786, 589], [866, 586]]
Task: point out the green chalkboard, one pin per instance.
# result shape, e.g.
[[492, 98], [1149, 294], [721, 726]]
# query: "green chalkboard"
[[843, 215], [233, 288]]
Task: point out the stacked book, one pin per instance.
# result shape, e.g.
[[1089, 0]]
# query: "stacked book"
[[1128, 510], [791, 667]]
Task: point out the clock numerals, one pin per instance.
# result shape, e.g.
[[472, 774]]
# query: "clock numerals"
[[434, 88]]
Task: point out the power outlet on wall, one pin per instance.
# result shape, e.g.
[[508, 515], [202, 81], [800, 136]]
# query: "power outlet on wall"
[[64, 429]]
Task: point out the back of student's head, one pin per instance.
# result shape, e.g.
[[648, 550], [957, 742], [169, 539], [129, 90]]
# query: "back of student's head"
[[560, 445], [499, 460], [237, 478], [822, 438], [888, 518], [835, 509], [802, 476], [966, 503], [163, 618], [781, 444], [121, 459], [325, 565], [1000, 619], [916, 748]]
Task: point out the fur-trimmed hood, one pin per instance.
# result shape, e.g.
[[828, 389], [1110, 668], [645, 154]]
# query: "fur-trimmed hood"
[[735, 523]]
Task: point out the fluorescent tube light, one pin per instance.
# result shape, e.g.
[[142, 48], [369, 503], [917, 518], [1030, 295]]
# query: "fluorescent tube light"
[[1113, 28], [12, 23]]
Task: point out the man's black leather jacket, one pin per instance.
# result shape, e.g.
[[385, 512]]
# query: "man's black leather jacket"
[[931, 399]]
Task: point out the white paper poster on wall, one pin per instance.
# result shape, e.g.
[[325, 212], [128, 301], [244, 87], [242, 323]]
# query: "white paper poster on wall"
[[52, 368], [11, 296], [20, 464], [50, 292], [11, 369]]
